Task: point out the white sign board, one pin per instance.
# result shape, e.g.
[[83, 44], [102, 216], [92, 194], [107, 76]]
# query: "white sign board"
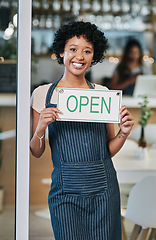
[[89, 105]]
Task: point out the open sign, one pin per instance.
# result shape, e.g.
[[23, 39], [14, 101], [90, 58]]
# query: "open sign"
[[89, 105]]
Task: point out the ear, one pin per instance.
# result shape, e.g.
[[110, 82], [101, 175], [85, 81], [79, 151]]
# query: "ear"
[[61, 55]]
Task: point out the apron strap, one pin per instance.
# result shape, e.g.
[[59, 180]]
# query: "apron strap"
[[89, 84], [50, 92]]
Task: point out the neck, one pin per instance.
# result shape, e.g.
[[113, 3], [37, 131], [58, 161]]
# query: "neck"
[[73, 81]]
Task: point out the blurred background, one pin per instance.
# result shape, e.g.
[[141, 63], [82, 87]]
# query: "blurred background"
[[121, 21]]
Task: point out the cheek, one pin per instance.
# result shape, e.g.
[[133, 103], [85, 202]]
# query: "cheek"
[[67, 56], [91, 59], [89, 62]]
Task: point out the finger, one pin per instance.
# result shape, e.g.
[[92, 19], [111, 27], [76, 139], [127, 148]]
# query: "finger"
[[125, 113], [123, 108], [47, 118], [53, 119], [54, 115], [55, 110], [57, 116], [126, 118], [50, 120], [49, 114], [128, 123], [49, 110]]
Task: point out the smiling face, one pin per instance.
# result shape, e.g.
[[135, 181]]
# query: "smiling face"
[[77, 56]]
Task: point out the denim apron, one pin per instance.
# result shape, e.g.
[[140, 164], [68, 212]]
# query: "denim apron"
[[84, 199]]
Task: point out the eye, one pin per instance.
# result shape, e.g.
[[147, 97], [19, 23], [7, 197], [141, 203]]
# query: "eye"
[[87, 51], [73, 49]]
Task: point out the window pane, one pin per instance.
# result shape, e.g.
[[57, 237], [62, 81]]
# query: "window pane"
[[8, 40]]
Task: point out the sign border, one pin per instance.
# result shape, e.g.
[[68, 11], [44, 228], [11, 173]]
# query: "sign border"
[[89, 120]]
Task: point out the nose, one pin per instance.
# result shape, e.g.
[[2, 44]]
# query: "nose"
[[80, 56]]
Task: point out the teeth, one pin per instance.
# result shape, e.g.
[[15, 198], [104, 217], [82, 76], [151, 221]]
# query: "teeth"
[[78, 64]]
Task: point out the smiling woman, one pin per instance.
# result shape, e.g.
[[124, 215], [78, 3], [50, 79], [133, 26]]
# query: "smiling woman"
[[91, 34], [84, 200], [77, 55]]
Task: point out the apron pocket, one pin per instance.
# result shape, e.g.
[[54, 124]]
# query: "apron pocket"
[[84, 179]]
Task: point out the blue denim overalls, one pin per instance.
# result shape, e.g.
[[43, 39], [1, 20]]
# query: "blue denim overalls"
[[84, 199]]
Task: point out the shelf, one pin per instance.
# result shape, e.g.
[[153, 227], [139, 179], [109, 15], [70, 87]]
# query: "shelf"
[[7, 100], [9, 61]]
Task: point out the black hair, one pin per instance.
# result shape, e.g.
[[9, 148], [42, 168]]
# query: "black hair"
[[79, 28], [122, 67], [129, 45]]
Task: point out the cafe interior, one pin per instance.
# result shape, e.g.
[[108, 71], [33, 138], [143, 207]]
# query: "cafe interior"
[[135, 164]]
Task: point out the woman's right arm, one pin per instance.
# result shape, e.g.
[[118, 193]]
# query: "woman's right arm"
[[40, 123]]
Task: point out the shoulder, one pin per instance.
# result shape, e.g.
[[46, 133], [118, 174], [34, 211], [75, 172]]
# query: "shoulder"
[[39, 96], [41, 90], [117, 68], [100, 87]]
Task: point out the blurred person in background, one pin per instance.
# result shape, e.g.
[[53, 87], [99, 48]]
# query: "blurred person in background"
[[130, 66]]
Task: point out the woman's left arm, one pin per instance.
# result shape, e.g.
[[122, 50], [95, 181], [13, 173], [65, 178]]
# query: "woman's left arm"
[[115, 143]]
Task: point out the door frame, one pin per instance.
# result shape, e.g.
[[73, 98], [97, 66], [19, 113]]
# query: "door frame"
[[23, 119]]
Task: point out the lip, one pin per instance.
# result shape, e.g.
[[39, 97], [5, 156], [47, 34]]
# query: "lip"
[[78, 65]]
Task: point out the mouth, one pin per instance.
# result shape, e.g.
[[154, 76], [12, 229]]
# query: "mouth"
[[78, 65]]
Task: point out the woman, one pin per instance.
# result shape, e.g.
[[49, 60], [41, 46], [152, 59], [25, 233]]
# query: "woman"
[[129, 68], [84, 200]]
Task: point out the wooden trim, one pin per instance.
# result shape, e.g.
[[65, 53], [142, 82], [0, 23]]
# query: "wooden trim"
[[152, 235], [124, 235], [143, 234], [135, 233]]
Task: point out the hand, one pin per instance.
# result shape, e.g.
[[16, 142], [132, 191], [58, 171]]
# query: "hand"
[[47, 116], [126, 120]]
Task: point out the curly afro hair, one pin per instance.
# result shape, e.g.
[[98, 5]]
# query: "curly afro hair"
[[80, 28]]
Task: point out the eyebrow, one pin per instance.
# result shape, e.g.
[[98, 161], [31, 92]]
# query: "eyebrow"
[[75, 45]]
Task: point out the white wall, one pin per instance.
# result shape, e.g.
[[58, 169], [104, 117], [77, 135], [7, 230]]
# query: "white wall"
[[101, 70], [46, 70]]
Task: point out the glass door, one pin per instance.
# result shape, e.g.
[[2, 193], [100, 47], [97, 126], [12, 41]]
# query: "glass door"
[[8, 74], [23, 120]]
